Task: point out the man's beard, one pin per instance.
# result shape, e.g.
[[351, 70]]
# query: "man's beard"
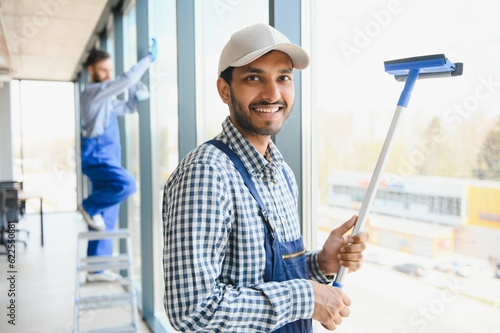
[[244, 120], [95, 78]]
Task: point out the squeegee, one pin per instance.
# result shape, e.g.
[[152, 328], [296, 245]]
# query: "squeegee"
[[407, 70]]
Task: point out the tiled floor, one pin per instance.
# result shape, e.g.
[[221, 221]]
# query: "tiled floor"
[[44, 281]]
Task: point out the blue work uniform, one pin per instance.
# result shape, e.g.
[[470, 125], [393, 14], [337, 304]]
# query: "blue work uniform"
[[101, 148], [287, 261]]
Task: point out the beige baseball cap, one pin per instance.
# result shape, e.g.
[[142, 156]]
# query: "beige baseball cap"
[[253, 42]]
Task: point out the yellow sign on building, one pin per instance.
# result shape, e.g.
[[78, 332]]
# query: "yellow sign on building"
[[484, 206]]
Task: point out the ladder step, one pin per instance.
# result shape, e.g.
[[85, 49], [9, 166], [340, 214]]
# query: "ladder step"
[[93, 235], [92, 259], [102, 266], [97, 263], [107, 301], [118, 329], [124, 282]]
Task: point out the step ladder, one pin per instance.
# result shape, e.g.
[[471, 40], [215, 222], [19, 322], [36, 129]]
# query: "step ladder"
[[123, 295]]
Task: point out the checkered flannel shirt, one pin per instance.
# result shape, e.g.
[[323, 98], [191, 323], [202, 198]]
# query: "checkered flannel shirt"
[[214, 254]]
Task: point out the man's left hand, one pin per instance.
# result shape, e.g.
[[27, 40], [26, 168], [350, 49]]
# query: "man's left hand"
[[341, 249], [153, 50]]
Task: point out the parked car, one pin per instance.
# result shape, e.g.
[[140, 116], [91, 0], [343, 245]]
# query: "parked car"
[[410, 269], [455, 267], [462, 269]]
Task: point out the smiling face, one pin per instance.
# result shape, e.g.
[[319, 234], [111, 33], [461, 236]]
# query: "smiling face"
[[260, 96]]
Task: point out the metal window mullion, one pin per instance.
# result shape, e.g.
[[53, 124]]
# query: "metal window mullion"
[[146, 171], [186, 65]]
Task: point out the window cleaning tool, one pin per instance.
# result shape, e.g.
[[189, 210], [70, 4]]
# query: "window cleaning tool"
[[406, 70]]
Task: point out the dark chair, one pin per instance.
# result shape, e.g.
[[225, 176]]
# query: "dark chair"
[[8, 215], [3, 220], [18, 185], [13, 210]]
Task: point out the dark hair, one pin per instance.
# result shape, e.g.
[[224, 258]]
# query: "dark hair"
[[95, 56], [227, 74]]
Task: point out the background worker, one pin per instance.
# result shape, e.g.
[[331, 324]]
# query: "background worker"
[[101, 148]]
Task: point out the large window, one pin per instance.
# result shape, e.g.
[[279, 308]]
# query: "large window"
[[45, 153], [442, 172]]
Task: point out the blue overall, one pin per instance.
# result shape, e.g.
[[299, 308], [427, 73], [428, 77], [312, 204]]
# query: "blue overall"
[[111, 183], [284, 260], [280, 268]]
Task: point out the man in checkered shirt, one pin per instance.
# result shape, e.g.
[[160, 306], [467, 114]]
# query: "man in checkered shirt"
[[234, 261]]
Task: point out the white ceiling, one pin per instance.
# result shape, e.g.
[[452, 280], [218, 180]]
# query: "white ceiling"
[[46, 39]]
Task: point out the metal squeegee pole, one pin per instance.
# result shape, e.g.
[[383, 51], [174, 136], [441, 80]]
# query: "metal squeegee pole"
[[375, 180]]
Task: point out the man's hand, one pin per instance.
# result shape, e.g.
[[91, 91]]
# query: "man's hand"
[[340, 249], [331, 304], [153, 50]]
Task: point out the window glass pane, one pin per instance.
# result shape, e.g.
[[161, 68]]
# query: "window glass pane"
[[110, 37], [216, 21], [163, 103], [17, 150], [47, 146], [130, 141], [438, 202]]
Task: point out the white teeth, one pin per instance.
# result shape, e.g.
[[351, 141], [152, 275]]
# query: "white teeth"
[[267, 110]]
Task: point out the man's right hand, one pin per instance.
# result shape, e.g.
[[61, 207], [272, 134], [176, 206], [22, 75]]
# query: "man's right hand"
[[330, 305]]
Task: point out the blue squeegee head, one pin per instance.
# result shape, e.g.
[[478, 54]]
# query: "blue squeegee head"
[[430, 66]]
